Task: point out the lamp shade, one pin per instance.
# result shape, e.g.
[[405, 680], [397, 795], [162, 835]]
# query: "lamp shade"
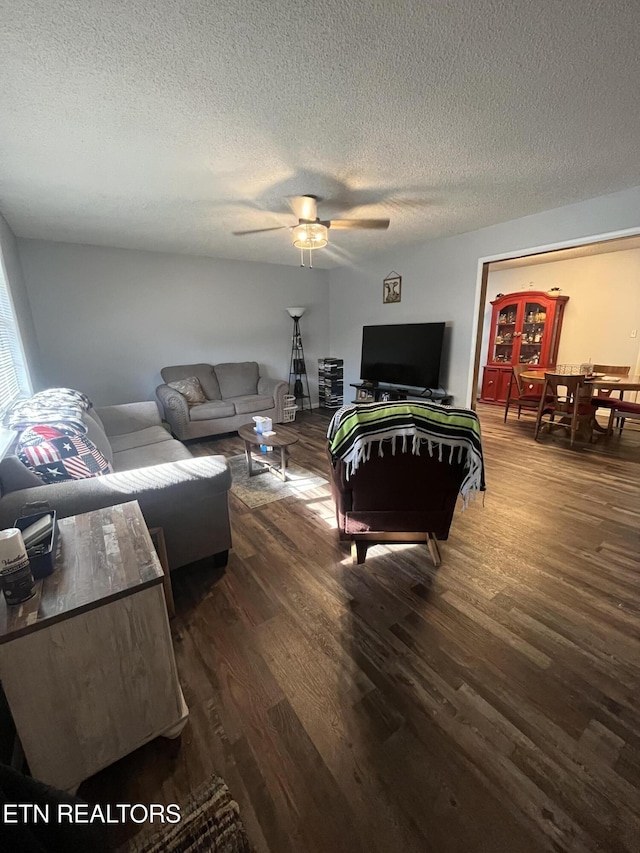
[[310, 235], [297, 311]]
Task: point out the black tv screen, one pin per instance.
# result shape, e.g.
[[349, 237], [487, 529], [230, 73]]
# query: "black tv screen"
[[406, 354]]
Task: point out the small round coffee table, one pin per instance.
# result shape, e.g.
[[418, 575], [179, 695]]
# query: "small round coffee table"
[[281, 440]]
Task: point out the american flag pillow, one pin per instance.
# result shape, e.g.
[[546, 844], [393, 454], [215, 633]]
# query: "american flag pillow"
[[57, 453]]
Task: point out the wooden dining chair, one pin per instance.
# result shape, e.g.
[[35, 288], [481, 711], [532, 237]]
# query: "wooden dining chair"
[[565, 399], [603, 398], [524, 395], [611, 369], [621, 409]]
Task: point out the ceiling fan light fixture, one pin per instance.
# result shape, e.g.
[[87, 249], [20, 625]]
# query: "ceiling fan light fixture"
[[310, 235], [311, 232]]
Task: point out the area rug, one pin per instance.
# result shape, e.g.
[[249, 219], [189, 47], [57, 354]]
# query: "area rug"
[[210, 824], [266, 488]]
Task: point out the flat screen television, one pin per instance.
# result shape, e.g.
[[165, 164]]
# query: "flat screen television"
[[407, 354]]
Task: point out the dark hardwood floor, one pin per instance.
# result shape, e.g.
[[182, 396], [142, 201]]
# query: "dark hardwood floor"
[[489, 705]]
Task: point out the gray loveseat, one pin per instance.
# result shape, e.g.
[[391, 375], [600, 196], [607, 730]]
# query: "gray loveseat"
[[235, 392], [185, 495]]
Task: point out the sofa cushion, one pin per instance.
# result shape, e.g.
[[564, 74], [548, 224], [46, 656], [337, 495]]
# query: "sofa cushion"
[[204, 372], [212, 409], [96, 434], [139, 438], [251, 403], [191, 390], [237, 379], [94, 414], [15, 475], [56, 456], [150, 454]]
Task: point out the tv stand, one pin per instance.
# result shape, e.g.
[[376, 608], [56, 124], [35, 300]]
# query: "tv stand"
[[367, 392]]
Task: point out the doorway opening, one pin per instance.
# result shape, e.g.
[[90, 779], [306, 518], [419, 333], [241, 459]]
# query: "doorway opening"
[[600, 276]]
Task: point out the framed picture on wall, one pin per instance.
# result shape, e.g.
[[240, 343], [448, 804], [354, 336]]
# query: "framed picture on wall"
[[392, 288]]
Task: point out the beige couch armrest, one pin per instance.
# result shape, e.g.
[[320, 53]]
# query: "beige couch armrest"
[[187, 499], [176, 409], [129, 417], [277, 388], [157, 484]]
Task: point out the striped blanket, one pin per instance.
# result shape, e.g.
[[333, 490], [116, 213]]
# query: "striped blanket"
[[410, 427]]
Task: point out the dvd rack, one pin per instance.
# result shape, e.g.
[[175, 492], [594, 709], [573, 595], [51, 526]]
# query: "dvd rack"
[[330, 382]]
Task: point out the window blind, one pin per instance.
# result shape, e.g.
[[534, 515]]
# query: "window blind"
[[13, 377]]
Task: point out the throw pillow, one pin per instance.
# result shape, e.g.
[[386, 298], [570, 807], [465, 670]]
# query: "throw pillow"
[[57, 453], [191, 390]]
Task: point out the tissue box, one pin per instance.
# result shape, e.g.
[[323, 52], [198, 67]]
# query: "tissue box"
[[262, 424], [41, 564]]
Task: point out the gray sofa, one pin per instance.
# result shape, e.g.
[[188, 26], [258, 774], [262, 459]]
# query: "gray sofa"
[[184, 495], [235, 392]]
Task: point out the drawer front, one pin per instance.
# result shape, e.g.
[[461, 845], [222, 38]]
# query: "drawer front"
[[490, 384], [503, 386]]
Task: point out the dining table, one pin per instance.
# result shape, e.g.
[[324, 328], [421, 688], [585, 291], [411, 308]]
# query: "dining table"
[[597, 382]]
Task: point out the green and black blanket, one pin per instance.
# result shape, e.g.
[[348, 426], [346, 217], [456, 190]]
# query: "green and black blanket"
[[410, 427]]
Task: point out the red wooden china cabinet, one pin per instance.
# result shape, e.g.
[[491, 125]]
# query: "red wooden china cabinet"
[[525, 329]]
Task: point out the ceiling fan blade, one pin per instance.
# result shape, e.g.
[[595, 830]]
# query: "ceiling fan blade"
[[304, 206], [353, 224], [259, 230]]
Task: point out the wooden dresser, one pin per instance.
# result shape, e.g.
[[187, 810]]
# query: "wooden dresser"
[[87, 664]]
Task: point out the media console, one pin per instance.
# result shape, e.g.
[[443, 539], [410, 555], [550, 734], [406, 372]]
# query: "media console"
[[368, 393]]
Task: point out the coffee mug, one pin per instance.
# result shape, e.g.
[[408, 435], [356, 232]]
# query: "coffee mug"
[[15, 571]]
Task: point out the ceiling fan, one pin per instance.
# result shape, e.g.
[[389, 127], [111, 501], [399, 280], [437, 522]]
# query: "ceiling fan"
[[311, 232]]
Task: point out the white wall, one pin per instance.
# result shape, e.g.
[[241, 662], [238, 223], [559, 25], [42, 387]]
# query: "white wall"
[[108, 319], [10, 259], [603, 307], [440, 280]]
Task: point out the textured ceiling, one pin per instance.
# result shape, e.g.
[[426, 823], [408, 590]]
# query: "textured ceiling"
[[168, 124]]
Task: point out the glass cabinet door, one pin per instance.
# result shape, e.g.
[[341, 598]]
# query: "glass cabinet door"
[[532, 332], [505, 334]]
